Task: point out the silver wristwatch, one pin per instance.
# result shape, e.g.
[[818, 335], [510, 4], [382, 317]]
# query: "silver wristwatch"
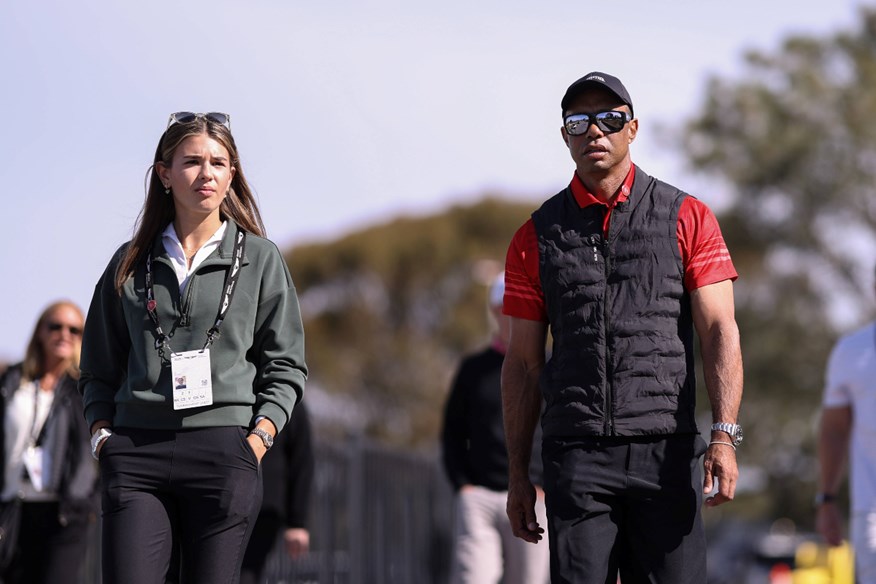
[[735, 431], [97, 439], [266, 437]]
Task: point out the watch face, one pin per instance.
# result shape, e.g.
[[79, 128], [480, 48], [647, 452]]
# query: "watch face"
[[738, 437]]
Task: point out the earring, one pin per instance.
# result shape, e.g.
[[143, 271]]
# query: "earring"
[[166, 189]]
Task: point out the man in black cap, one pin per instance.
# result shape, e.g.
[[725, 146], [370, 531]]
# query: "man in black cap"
[[622, 269]]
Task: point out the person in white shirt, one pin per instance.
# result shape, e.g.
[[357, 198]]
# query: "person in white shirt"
[[848, 433]]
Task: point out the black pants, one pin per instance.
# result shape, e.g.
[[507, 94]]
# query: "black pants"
[[625, 505], [264, 536], [48, 552], [198, 489]]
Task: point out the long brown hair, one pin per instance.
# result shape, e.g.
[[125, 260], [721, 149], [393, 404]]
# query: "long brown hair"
[[34, 365], [158, 210]]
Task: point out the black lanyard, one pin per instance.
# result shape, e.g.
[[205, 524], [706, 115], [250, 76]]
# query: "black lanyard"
[[231, 278]]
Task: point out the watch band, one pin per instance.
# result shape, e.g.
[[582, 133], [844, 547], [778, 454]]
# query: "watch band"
[[725, 427], [98, 438], [266, 437], [733, 430]]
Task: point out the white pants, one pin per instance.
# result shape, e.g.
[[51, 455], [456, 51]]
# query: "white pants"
[[864, 543], [485, 548]]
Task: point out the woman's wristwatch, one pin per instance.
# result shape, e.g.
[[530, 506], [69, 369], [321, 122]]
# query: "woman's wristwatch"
[[266, 437], [98, 438]]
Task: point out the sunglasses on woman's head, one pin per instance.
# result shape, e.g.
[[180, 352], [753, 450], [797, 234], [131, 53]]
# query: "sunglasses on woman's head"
[[55, 327], [189, 117]]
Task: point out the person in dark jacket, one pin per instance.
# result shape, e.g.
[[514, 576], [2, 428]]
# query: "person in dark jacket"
[[47, 462], [287, 475], [476, 462], [622, 269]]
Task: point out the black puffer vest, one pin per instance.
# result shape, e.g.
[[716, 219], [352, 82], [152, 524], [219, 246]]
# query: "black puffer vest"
[[622, 361]]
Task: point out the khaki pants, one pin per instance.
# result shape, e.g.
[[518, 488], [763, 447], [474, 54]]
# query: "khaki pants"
[[485, 548]]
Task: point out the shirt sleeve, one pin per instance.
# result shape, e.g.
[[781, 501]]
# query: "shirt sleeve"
[[106, 344], [278, 343], [704, 254], [837, 390], [524, 297]]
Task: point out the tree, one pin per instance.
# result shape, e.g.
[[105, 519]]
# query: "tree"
[[795, 142], [389, 310]]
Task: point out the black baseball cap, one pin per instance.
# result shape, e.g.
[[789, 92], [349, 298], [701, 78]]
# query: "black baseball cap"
[[597, 79]]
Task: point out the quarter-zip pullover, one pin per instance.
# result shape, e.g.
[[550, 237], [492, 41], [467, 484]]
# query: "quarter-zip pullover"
[[257, 360]]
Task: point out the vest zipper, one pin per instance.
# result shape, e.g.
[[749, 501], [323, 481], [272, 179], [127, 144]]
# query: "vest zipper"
[[607, 390]]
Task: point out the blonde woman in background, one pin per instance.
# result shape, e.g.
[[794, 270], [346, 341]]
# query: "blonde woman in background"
[[47, 462]]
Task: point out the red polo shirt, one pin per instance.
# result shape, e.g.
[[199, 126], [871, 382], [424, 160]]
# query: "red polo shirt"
[[704, 254]]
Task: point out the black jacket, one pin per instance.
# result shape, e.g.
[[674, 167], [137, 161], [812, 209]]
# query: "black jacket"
[[287, 471], [473, 437], [66, 435]]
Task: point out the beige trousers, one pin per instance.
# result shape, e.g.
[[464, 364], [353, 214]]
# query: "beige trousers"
[[485, 550]]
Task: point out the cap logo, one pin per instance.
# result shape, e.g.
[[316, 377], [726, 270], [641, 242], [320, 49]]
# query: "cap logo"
[[597, 77]]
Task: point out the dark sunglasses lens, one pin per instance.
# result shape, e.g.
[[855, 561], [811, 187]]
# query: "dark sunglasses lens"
[[577, 124], [218, 117], [611, 121], [56, 327], [184, 117]]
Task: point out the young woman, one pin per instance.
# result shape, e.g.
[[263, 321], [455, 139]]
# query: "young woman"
[[192, 361], [47, 464]]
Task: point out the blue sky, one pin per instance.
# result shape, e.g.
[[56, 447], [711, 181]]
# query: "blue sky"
[[346, 113]]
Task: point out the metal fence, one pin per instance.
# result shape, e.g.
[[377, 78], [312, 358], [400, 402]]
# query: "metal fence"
[[377, 517]]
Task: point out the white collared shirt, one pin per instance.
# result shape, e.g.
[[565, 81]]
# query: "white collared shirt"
[[177, 256]]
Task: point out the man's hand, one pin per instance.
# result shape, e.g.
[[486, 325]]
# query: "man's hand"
[[720, 464], [521, 512], [296, 540], [833, 448], [829, 523]]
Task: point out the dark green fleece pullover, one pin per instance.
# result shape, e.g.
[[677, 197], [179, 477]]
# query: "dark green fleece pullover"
[[257, 361]]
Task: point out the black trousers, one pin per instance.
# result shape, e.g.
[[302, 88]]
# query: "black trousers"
[[628, 506], [264, 537], [199, 489], [48, 552]]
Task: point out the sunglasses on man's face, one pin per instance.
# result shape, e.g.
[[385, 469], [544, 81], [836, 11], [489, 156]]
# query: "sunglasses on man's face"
[[609, 122], [55, 327], [189, 117]]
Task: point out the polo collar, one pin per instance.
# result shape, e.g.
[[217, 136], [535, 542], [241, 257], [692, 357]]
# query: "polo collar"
[[585, 198]]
